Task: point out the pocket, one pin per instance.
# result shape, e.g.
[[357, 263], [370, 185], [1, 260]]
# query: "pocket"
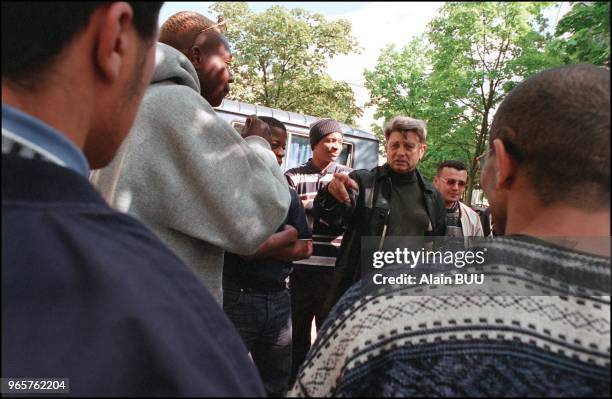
[[232, 297]]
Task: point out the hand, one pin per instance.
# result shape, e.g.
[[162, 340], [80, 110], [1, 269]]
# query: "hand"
[[287, 236], [256, 127], [338, 187], [292, 232]]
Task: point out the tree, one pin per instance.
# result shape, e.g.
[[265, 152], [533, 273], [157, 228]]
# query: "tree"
[[281, 56], [472, 54], [583, 34], [400, 85]]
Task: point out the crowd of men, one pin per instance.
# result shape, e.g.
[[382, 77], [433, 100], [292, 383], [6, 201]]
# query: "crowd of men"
[[151, 249]]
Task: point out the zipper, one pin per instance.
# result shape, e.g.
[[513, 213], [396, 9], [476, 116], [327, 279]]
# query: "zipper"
[[384, 232]]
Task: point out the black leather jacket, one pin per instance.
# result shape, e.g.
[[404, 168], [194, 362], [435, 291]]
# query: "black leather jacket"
[[368, 215]]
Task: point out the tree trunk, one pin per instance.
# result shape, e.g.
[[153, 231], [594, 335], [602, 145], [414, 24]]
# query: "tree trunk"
[[468, 194], [473, 167]]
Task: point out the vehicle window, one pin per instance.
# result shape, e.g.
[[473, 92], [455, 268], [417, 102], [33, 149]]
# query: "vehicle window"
[[238, 126]]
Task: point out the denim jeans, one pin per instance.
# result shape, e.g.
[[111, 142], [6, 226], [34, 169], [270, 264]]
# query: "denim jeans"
[[309, 290], [263, 320]]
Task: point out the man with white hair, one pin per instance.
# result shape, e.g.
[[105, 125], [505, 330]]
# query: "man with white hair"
[[389, 200]]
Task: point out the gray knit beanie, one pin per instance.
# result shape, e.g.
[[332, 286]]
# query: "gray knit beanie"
[[321, 129]]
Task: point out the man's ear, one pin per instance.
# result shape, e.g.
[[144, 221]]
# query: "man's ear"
[[247, 124], [436, 181], [195, 56], [113, 38], [248, 121], [423, 149], [506, 166]]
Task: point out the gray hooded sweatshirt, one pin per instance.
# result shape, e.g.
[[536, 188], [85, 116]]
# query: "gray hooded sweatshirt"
[[190, 177]]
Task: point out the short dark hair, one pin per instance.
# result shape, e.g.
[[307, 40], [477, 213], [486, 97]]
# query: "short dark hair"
[[451, 163], [273, 122], [404, 124], [35, 33], [556, 125]]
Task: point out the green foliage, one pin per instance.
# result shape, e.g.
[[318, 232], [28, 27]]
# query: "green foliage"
[[398, 82], [281, 56], [583, 34], [456, 75]]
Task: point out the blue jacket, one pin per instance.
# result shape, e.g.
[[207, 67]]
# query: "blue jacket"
[[92, 295]]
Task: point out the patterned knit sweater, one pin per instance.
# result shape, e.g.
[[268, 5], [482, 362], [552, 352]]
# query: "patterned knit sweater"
[[399, 340]]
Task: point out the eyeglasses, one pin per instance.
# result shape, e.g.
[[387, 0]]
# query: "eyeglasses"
[[221, 26], [452, 182]]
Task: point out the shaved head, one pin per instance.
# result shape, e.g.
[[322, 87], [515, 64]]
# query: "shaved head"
[[181, 29], [202, 42], [556, 124]]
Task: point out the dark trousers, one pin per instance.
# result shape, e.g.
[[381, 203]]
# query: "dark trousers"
[[263, 320], [308, 293]]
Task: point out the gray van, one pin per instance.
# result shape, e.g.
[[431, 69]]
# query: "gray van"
[[360, 148]]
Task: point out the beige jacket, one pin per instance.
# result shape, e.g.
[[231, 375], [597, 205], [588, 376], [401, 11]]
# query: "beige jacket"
[[470, 222]]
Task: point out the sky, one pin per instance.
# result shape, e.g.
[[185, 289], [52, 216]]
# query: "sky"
[[375, 25]]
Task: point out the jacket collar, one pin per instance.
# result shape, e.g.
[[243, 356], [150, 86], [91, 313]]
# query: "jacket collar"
[[25, 131], [40, 181]]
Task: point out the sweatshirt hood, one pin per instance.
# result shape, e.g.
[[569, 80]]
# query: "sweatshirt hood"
[[171, 64]]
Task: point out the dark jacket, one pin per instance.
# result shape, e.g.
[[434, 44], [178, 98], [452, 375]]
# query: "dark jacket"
[[92, 295], [368, 215]]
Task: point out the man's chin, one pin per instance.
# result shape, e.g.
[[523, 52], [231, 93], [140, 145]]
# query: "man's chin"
[[216, 103], [401, 168]]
